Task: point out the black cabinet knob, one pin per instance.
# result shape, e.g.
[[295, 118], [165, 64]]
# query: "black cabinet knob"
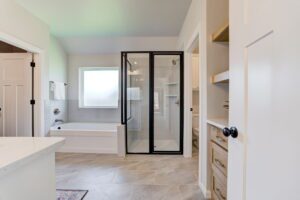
[[233, 132], [226, 132]]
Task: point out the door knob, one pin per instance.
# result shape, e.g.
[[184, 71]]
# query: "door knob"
[[233, 132]]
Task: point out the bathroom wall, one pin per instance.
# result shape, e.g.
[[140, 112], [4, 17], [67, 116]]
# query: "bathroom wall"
[[57, 73], [76, 114], [21, 28]]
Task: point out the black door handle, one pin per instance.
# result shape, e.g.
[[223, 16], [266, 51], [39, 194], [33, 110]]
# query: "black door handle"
[[233, 132]]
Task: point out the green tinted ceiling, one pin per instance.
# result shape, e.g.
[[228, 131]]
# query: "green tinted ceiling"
[[110, 17]]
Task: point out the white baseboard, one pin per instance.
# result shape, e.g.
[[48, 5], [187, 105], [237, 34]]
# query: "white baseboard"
[[87, 150], [205, 191]]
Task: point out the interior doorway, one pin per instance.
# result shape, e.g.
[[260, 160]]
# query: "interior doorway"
[[195, 99], [16, 91]]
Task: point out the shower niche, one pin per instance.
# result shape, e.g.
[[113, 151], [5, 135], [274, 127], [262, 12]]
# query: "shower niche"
[[152, 101]]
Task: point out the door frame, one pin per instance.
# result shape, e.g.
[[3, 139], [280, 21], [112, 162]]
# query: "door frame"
[[152, 54], [40, 61]]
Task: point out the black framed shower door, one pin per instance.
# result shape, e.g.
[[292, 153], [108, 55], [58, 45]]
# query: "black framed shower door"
[[152, 101]]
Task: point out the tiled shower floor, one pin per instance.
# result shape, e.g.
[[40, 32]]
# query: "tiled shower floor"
[[137, 177]]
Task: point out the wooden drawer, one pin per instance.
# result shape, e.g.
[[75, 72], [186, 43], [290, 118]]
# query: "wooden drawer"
[[214, 196], [219, 184], [219, 158], [218, 137]]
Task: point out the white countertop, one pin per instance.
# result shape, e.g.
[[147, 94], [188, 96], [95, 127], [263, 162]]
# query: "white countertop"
[[218, 122], [15, 151]]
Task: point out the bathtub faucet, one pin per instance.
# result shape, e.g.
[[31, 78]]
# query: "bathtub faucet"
[[59, 120]]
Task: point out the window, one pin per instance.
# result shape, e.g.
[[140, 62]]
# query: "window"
[[99, 87]]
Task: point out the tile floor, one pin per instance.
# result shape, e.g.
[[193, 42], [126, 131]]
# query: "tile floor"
[[142, 146], [136, 177]]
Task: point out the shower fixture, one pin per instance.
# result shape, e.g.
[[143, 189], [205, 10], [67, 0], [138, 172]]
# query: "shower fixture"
[[174, 61]]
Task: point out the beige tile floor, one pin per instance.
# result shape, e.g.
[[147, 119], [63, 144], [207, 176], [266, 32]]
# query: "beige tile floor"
[[142, 146], [137, 177]]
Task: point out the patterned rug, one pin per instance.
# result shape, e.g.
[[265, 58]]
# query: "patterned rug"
[[70, 194]]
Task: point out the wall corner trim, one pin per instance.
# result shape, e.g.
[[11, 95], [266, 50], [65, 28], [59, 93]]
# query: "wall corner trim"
[[205, 191]]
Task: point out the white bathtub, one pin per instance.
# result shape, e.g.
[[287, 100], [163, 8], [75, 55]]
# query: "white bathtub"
[[91, 137]]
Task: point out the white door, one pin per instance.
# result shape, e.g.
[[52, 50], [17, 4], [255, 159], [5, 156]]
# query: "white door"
[[15, 93], [264, 161]]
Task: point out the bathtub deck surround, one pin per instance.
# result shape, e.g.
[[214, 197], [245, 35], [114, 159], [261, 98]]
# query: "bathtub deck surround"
[[28, 160], [106, 138]]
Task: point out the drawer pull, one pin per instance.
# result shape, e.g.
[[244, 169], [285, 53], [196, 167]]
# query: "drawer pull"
[[220, 163], [220, 139], [220, 193]]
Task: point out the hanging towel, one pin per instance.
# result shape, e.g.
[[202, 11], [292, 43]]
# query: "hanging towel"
[[59, 91]]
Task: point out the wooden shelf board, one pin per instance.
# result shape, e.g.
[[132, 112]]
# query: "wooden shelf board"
[[173, 83], [171, 95], [222, 77], [222, 35], [218, 122], [195, 89]]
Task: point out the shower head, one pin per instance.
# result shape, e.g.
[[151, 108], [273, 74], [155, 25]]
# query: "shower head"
[[174, 61]]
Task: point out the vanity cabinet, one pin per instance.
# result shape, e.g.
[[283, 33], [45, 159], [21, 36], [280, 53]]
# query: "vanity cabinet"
[[218, 163]]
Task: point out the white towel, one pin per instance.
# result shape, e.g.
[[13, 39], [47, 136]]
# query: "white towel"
[[59, 91]]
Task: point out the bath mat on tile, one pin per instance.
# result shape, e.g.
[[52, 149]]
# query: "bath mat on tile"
[[70, 194]]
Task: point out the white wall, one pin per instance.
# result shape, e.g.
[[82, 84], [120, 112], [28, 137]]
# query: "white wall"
[[57, 72], [190, 26], [194, 28], [103, 52], [20, 28], [111, 45], [201, 21], [76, 114], [217, 58]]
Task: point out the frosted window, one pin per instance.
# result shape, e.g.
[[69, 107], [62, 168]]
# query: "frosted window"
[[99, 87]]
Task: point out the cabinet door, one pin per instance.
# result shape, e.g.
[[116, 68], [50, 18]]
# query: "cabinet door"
[[264, 160]]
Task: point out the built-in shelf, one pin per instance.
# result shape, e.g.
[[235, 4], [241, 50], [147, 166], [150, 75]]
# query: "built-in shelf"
[[195, 89], [171, 95], [134, 73], [172, 84], [221, 35], [218, 122], [220, 78]]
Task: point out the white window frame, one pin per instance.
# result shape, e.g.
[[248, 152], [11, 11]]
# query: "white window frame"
[[81, 85]]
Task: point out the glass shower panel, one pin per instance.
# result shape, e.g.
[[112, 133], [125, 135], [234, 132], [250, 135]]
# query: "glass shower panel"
[[137, 102], [166, 103]]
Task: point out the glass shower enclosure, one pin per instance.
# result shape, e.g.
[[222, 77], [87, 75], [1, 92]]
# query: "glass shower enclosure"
[[152, 101]]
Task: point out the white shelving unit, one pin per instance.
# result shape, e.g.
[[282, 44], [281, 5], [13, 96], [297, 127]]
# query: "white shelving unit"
[[220, 78], [171, 95], [218, 122], [172, 84], [221, 35]]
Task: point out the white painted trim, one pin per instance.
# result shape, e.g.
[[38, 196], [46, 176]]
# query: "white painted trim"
[[205, 191], [190, 45], [203, 140], [188, 92], [188, 143], [39, 92]]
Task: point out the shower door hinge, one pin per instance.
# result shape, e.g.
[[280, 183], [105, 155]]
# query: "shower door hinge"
[[32, 102]]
